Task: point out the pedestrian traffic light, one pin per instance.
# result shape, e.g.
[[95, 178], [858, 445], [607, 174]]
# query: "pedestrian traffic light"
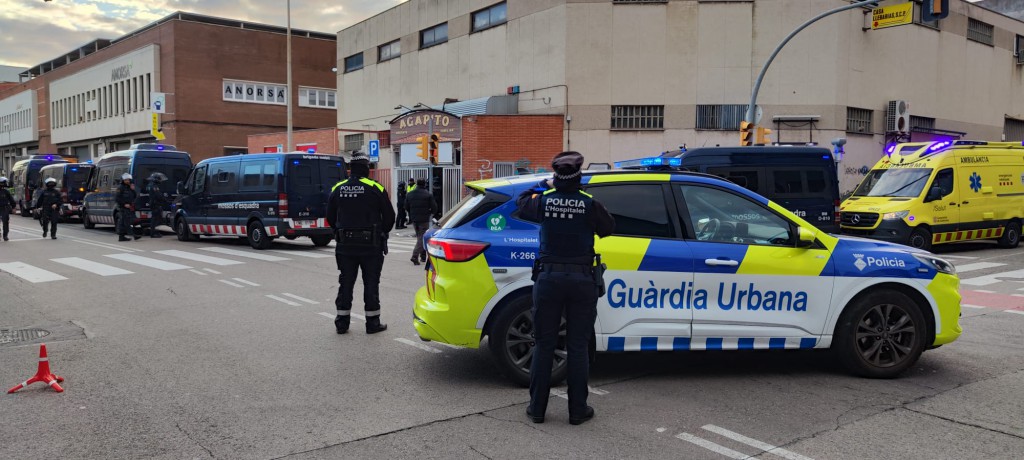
[[422, 149], [764, 136], [746, 133], [933, 10], [434, 140]]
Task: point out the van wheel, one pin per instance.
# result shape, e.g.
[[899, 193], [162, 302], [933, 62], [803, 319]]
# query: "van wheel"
[[920, 238], [184, 234], [88, 224], [1011, 236], [321, 240], [258, 238], [511, 343], [881, 335]]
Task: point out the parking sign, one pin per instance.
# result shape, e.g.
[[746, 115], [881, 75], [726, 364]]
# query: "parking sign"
[[374, 150]]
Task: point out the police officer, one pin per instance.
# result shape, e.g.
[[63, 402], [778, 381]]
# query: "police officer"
[[125, 200], [157, 202], [361, 215], [49, 203], [400, 221], [421, 206], [7, 205], [565, 281]]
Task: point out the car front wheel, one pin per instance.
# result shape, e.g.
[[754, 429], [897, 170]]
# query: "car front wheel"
[[920, 238], [511, 342], [881, 335]]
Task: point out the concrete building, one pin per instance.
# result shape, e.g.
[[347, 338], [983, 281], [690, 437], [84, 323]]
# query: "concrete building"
[[634, 78], [223, 80]]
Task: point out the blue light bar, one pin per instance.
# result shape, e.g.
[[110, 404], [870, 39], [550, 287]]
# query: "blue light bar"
[[159, 147], [310, 150], [649, 162]]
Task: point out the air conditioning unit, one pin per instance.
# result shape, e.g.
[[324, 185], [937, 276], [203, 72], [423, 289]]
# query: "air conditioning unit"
[[897, 117]]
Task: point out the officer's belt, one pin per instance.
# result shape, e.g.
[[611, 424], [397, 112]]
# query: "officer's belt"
[[566, 268]]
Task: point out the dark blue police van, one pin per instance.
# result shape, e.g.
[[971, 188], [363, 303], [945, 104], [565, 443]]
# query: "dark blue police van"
[[72, 180], [25, 179], [140, 160], [259, 197], [802, 179]]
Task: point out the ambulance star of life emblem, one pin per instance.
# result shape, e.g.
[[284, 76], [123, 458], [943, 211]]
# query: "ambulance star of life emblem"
[[859, 263]]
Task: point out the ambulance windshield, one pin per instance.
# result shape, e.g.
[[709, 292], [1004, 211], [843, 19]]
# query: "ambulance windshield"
[[902, 182]]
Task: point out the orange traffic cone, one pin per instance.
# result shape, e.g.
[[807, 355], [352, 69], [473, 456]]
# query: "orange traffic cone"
[[42, 375]]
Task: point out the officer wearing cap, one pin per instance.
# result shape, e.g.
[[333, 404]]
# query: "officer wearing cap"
[[360, 212], [48, 204], [7, 205], [565, 281]]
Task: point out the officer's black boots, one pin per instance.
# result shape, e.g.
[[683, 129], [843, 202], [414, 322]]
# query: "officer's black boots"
[[373, 325], [122, 238], [341, 324], [534, 418], [587, 415]]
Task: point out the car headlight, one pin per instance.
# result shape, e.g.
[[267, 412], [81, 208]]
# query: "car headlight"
[[895, 215], [936, 263]]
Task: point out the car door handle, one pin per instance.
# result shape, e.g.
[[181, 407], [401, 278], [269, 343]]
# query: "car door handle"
[[721, 263], [953, 203], [966, 202]]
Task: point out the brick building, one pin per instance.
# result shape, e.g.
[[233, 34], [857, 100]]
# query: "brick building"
[[223, 80]]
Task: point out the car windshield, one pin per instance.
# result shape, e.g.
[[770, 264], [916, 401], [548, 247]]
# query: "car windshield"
[[904, 182]]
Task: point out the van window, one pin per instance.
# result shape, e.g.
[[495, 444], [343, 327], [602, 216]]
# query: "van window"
[[787, 182], [746, 178], [639, 210], [77, 176], [944, 180], [222, 178], [259, 176], [198, 184], [816, 181]]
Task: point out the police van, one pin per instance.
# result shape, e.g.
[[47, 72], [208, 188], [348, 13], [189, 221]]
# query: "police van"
[[25, 179], [695, 263], [259, 197], [72, 180], [803, 179], [923, 194], [140, 160]]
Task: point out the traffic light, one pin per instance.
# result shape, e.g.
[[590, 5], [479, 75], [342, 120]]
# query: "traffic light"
[[764, 136], [746, 133], [434, 139], [423, 150]]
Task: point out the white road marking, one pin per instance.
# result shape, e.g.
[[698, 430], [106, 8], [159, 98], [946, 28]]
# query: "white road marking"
[[332, 316], [720, 449], [597, 391], [198, 257], [971, 306], [326, 315], [977, 266], [558, 392], [421, 346], [197, 272], [250, 283], [146, 261], [30, 273], [447, 345], [301, 299], [215, 272], [774, 450], [303, 253], [661, 429], [358, 316], [284, 301], [947, 256], [104, 245], [986, 292], [1018, 312], [230, 283], [248, 254], [991, 279], [390, 250], [91, 267]]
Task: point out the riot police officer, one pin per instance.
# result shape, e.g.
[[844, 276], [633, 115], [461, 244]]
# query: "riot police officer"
[[565, 281], [48, 204], [125, 200], [157, 202], [361, 215], [7, 205]]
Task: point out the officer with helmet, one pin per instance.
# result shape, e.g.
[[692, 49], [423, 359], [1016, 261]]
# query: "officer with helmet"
[[125, 200], [7, 205], [48, 204], [566, 280], [158, 202]]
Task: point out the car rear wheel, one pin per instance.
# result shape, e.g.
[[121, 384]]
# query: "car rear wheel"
[[511, 342], [1011, 236], [88, 224], [257, 236], [321, 240], [184, 234], [920, 238], [881, 335]]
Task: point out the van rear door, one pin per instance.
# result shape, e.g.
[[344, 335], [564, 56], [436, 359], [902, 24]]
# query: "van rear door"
[[76, 180], [308, 184]]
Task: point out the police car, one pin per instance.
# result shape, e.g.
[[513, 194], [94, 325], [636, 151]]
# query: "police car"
[[695, 263]]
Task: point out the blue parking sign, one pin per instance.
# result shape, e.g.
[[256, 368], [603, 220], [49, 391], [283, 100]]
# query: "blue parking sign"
[[374, 149]]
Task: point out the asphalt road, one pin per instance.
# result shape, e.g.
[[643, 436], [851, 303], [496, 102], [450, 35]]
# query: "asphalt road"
[[198, 350]]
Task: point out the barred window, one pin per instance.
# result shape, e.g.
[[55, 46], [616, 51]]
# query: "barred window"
[[1013, 129], [638, 117], [858, 120], [720, 116], [353, 142], [979, 31], [921, 122]]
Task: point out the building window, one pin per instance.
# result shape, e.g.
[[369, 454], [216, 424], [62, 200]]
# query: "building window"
[[1013, 129], [917, 17], [317, 98], [354, 62], [639, 1], [434, 35], [921, 123], [979, 31], [253, 92], [720, 116], [1018, 48], [389, 51], [638, 117], [491, 16], [858, 120], [353, 142]]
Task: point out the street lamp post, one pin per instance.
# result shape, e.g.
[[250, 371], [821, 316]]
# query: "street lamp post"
[[3, 163], [288, 59]]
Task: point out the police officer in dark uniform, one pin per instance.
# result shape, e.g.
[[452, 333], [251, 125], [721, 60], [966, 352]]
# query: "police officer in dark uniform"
[[157, 202], [566, 281], [400, 221], [360, 212], [125, 200], [49, 203], [7, 205]]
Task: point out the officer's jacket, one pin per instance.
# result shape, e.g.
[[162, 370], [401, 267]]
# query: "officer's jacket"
[[156, 196], [7, 202], [48, 197], [568, 218], [360, 203], [401, 196], [125, 195], [421, 205]]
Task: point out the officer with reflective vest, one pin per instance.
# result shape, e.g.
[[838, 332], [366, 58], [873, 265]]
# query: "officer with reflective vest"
[[566, 281], [359, 211], [49, 203], [7, 205]]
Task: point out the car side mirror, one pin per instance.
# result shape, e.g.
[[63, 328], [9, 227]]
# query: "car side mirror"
[[180, 188], [934, 194], [805, 237]]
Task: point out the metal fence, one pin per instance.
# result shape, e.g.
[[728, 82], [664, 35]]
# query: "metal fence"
[[504, 169], [452, 188]]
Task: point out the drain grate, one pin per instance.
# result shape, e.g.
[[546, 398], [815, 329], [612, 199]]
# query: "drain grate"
[[21, 335]]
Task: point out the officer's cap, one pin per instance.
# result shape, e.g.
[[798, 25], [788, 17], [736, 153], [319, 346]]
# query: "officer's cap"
[[50, 180], [126, 176], [3, 179], [567, 165], [359, 156]]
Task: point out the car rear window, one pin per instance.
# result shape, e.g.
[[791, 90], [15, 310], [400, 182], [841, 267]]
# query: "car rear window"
[[458, 214]]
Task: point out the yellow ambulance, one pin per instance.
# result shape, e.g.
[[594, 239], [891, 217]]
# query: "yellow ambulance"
[[921, 194]]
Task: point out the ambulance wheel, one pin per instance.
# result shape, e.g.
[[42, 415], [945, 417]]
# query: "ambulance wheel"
[[920, 238], [88, 224], [321, 240], [258, 238], [1011, 236], [181, 229], [511, 343], [881, 335]]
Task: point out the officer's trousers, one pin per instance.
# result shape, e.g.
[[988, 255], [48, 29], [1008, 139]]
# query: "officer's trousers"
[[419, 252], [350, 265], [5, 220], [48, 218], [575, 296], [125, 217], [400, 219], [157, 218]]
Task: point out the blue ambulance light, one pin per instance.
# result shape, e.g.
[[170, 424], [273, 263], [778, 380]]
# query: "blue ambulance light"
[[938, 145], [159, 147], [890, 148]]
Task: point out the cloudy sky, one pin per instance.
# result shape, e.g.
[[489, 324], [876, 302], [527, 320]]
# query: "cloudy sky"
[[34, 31]]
